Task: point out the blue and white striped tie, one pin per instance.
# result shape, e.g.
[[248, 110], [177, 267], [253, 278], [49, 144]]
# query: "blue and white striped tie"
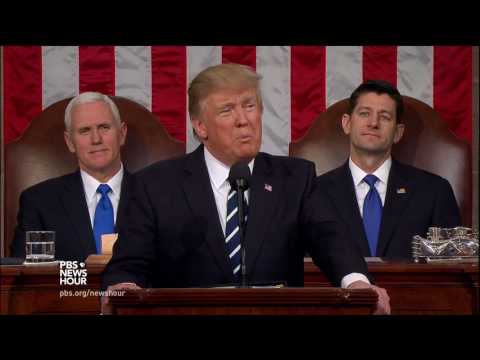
[[232, 231]]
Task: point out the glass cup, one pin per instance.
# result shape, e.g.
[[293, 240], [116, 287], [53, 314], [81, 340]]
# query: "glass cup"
[[39, 246]]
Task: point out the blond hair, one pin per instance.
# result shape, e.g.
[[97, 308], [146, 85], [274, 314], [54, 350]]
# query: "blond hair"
[[221, 77]]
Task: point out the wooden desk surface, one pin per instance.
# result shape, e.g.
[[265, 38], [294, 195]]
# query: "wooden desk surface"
[[36, 289], [435, 288], [413, 288]]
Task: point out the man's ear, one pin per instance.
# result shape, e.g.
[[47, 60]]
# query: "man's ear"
[[346, 121], [200, 128], [398, 133], [68, 141]]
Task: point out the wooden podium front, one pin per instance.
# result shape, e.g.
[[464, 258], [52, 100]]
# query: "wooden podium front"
[[245, 301], [414, 289]]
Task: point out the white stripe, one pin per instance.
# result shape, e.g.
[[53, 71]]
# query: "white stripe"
[[237, 268], [231, 235], [344, 71], [231, 194], [133, 74], [59, 73], [273, 63], [415, 72], [232, 254], [198, 59], [234, 211]]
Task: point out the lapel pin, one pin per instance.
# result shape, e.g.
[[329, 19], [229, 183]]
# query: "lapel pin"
[[268, 187], [401, 191]]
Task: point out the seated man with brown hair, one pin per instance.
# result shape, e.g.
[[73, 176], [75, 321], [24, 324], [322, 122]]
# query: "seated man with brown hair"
[[82, 206], [382, 202]]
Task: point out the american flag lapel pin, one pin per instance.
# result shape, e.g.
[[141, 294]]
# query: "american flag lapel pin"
[[401, 191], [268, 187]]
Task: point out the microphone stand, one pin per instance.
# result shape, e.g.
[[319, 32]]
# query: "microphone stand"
[[241, 186]]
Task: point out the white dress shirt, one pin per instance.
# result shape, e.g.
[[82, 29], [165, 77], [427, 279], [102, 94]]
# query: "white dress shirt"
[[362, 188], [218, 173], [90, 185]]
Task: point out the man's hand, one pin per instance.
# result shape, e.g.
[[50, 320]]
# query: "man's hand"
[[106, 308], [383, 304]]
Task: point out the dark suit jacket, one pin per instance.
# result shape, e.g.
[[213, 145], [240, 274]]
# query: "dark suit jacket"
[[428, 200], [59, 204], [173, 237]]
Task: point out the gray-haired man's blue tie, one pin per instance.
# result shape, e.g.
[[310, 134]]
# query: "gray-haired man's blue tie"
[[103, 219]]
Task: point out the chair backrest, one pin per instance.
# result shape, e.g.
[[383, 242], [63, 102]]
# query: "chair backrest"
[[427, 143], [41, 153]]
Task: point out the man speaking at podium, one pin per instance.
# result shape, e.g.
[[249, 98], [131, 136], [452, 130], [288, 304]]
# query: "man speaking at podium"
[[184, 229]]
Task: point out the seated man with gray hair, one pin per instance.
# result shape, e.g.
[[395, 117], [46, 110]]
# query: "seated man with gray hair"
[[88, 203]]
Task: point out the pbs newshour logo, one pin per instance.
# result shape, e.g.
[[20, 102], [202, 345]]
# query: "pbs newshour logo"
[[73, 273]]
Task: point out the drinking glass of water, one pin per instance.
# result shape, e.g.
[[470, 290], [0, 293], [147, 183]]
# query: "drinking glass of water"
[[40, 246]]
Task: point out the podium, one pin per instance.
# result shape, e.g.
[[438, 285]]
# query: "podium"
[[414, 289], [263, 301]]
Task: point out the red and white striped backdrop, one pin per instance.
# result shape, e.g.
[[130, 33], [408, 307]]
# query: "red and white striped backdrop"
[[298, 82]]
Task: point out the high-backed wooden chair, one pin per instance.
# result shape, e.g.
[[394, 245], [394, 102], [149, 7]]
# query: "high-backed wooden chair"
[[427, 144], [41, 153]]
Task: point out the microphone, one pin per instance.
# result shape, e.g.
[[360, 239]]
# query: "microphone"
[[239, 179], [240, 176]]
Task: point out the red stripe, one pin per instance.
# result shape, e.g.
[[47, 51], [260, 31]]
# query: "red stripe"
[[380, 63], [452, 84], [97, 69], [169, 84], [308, 98], [246, 55], [22, 81]]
